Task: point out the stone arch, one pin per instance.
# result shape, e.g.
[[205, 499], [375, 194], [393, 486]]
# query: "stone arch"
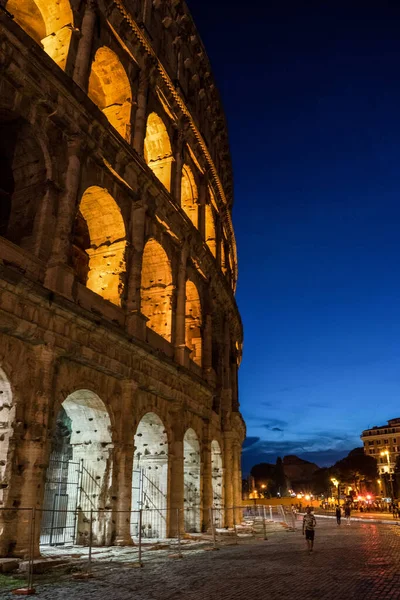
[[99, 243], [217, 483], [7, 417], [150, 478], [23, 176], [110, 89], [192, 481], [211, 235], [189, 195], [79, 475], [48, 22], [157, 149], [157, 288], [193, 322]]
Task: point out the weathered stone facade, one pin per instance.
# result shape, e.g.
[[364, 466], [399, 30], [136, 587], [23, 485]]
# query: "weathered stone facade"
[[120, 338]]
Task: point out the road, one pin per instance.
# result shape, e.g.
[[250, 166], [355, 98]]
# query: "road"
[[359, 562]]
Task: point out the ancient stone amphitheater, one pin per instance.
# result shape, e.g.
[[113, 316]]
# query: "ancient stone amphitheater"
[[120, 339]]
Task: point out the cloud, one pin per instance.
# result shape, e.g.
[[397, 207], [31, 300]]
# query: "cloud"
[[275, 424]]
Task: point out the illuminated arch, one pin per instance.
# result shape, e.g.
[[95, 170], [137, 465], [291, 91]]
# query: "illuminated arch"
[[157, 149], [189, 195], [81, 452], [191, 465], [217, 483], [48, 22], [99, 244], [156, 289], [7, 409], [193, 321], [150, 478], [109, 88]]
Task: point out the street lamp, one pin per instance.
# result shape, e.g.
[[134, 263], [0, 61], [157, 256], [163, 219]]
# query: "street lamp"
[[336, 484], [386, 453]]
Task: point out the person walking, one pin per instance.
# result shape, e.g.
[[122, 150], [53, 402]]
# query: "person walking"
[[347, 513], [309, 524], [338, 514]]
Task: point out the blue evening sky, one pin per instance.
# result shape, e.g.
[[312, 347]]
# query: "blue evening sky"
[[311, 91]]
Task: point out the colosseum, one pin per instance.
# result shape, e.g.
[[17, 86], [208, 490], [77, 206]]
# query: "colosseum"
[[120, 338]]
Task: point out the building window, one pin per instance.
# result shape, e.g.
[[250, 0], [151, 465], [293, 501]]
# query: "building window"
[[394, 440], [370, 443], [385, 441], [378, 442]]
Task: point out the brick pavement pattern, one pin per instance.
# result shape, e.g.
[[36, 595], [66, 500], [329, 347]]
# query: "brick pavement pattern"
[[360, 561]]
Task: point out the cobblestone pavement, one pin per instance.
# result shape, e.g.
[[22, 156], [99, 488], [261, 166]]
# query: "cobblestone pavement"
[[360, 561]]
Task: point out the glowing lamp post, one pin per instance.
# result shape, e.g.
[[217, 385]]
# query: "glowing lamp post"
[[336, 484]]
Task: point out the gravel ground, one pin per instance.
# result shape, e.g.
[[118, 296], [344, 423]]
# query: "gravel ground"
[[360, 561]]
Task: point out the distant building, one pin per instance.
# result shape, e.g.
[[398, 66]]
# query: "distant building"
[[383, 443]]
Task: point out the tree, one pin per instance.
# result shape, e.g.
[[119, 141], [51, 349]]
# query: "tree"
[[321, 482], [263, 474], [280, 477], [355, 468]]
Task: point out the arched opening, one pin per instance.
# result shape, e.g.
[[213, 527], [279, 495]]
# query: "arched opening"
[[191, 465], [217, 483], [23, 176], [48, 22], [99, 242], [109, 88], [150, 478], [79, 475], [157, 149], [189, 195], [7, 416], [193, 321], [156, 289], [211, 236]]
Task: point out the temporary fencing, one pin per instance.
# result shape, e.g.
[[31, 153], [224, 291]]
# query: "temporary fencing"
[[89, 548]]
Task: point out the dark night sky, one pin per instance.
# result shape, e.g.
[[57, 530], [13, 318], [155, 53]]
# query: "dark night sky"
[[312, 96]]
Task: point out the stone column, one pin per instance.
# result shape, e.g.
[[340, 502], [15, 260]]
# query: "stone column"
[[59, 275], [32, 450], [84, 54], [176, 478], [227, 355], [139, 133], [180, 325], [123, 465], [135, 320], [207, 344], [177, 167], [234, 386], [237, 483], [206, 477], [45, 222], [228, 478]]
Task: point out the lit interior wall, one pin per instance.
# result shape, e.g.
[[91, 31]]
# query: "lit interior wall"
[[48, 22], [150, 478], [157, 149], [193, 321], [106, 255], [109, 88], [217, 483], [157, 289], [189, 195], [22, 178], [211, 236], [7, 415], [88, 449], [191, 465]]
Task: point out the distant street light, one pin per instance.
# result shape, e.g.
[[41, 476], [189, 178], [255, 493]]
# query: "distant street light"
[[336, 484]]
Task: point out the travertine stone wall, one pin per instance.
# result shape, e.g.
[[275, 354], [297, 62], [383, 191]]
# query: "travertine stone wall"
[[120, 338]]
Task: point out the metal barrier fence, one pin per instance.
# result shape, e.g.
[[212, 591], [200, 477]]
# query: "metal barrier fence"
[[89, 549]]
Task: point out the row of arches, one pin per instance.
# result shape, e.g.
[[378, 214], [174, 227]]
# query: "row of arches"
[[80, 474], [50, 24]]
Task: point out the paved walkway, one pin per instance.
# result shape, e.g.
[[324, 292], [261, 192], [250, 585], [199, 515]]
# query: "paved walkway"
[[359, 562]]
